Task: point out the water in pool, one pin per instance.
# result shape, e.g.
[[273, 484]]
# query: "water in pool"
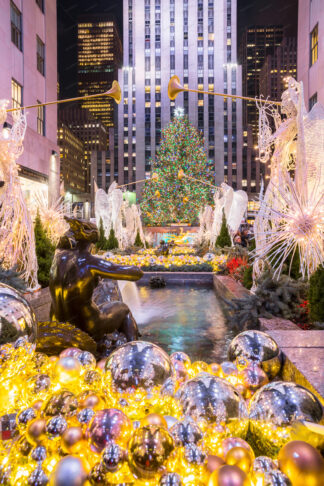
[[183, 318]]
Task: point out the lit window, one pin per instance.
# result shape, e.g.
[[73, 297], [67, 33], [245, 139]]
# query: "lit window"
[[40, 55], [16, 94], [314, 45], [16, 26]]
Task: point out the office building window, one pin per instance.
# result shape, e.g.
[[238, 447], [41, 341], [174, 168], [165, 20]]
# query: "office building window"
[[16, 94], [40, 3], [314, 45], [40, 55], [40, 119], [312, 101], [16, 25]]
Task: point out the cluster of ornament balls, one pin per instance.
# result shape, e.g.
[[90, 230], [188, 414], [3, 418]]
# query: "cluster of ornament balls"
[[117, 421]]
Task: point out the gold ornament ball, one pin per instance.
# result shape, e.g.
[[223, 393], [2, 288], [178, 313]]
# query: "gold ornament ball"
[[157, 194], [37, 405], [228, 476], [214, 368], [302, 463], [181, 174], [185, 199], [214, 462], [232, 442], [101, 364], [154, 419], [240, 457], [36, 431], [155, 177], [67, 370], [199, 366], [72, 442]]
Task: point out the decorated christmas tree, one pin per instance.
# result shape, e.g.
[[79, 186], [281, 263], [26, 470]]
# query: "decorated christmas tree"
[[167, 198]]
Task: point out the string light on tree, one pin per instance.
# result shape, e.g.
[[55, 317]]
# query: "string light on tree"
[[175, 194]]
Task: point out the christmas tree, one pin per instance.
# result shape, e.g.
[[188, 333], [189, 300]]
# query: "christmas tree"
[[112, 241], [223, 239], [170, 199], [138, 241], [102, 241], [44, 252]]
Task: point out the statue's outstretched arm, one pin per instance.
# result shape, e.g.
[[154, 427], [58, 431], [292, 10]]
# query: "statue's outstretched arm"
[[104, 269]]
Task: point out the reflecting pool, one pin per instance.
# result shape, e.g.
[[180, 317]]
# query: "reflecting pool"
[[185, 318]]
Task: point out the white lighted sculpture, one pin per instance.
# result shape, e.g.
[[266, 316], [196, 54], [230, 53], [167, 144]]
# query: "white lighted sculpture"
[[113, 212], [233, 203], [17, 242], [291, 215], [52, 217]]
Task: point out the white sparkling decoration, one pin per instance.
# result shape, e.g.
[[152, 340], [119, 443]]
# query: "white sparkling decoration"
[[17, 241], [291, 216]]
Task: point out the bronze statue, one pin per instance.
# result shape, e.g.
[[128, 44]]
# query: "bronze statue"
[[78, 295]]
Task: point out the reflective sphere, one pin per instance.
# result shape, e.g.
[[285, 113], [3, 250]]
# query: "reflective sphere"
[[72, 440], [24, 417], [186, 432], [113, 457], [39, 383], [276, 478], [240, 457], [56, 426], [69, 471], [87, 360], [70, 353], [108, 425], [274, 409], [138, 364], [38, 454], [154, 419], [257, 346], [170, 479], [149, 448], [207, 397], [37, 478], [194, 455], [227, 476], [85, 415], [253, 378], [263, 464], [67, 370], [36, 431], [180, 356], [232, 442], [302, 463], [214, 462], [17, 318], [61, 403]]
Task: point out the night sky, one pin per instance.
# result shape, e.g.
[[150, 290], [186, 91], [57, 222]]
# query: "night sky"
[[250, 12]]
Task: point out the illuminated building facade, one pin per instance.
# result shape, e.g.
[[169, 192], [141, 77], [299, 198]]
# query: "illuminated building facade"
[[99, 57], [310, 61], [257, 43], [28, 76], [93, 133], [73, 172], [195, 40]]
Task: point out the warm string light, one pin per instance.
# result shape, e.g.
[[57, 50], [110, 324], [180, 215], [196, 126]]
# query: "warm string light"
[[181, 149]]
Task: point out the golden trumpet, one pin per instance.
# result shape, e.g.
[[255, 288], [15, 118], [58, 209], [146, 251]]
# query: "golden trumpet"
[[114, 92], [175, 87]]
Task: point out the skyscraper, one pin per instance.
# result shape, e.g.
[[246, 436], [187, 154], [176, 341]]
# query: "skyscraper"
[[257, 43], [196, 40], [99, 57], [28, 76], [310, 62]]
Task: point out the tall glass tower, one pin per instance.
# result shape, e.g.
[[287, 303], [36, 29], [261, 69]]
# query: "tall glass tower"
[[196, 40]]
